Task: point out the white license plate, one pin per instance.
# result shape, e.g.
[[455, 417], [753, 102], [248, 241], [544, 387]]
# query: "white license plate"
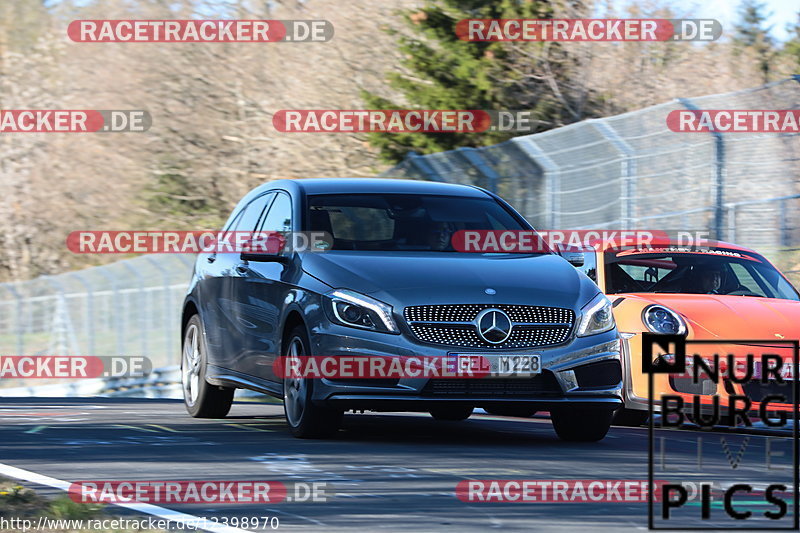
[[496, 365]]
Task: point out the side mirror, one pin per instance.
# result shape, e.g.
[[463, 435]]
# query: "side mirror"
[[574, 257], [265, 249], [264, 258]]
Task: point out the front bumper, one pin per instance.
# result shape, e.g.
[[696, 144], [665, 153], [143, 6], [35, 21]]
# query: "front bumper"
[[584, 371], [635, 391]]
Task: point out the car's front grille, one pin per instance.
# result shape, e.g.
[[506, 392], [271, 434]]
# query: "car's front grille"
[[757, 391], [468, 313], [454, 325], [544, 384]]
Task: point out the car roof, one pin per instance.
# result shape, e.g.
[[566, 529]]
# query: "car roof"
[[373, 185]]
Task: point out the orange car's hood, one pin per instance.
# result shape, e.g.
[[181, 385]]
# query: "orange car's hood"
[[712, 316]]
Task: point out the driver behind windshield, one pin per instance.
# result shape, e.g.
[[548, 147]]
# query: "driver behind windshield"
[[440, 236], [711, 281], [706, 279]]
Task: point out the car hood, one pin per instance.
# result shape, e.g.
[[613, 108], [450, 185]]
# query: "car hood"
[[415, 278], [712, 316]]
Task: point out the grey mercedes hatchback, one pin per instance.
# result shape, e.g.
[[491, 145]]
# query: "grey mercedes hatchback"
[[388, 283]]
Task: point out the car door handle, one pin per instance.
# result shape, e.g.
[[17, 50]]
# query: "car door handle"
[[243, 268]]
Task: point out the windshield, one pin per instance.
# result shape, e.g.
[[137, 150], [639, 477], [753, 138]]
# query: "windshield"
[[403, 222], [712, 271]]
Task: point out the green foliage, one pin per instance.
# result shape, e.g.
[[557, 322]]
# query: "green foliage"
[[752, 33], [792, 46], [15, 495], [18, 501], [440, 71], [63, 507]]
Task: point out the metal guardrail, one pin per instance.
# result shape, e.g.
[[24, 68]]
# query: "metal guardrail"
[[131, 307], [160, 383]]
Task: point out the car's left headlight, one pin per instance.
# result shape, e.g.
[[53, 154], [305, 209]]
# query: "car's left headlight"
[[356, 310], [596, 317]]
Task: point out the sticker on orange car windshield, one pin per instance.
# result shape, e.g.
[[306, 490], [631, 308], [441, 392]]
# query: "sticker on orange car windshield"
[[687, 250]]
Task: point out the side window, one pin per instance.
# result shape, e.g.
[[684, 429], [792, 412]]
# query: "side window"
[[247, 217], [252, 213], [232, 221], [746, 280], [279, 216], [743, 277]]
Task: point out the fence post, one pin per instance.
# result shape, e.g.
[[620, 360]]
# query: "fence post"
[[551, 175], [731, 236], [61, 319], [20, 330], [89, 312], [167, 322], [143, 333], [627, 170], [474, 158], [719, 176], [119, 331], [784, 225], [417, 161]]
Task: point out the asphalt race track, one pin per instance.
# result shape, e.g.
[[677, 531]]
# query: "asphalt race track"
[[389, 472]]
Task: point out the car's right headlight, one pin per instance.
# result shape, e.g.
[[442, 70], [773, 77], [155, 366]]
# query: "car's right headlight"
[[596, 317], [663, 320], [356, 310]]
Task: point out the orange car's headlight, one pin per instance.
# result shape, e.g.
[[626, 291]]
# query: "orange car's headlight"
[[663, 320]]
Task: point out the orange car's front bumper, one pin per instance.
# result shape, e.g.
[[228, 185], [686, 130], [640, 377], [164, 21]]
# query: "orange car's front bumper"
[[636, 393]]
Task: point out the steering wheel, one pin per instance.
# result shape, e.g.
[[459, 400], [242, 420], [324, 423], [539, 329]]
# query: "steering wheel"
[[743, 292]]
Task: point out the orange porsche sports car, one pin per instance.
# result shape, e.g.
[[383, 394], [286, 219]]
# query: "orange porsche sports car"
[[714, 294]]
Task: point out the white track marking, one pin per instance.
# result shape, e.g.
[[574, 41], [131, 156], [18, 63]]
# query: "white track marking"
[[146, 508]]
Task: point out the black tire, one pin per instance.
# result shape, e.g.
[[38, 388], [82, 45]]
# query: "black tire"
[[306, 420], [453, 413], [202, 400], [520, 411], [579, 424], [630, 417]]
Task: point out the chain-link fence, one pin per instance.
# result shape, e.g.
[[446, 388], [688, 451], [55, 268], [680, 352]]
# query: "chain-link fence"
[[631, 172], [131, 307], [622, 172]]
